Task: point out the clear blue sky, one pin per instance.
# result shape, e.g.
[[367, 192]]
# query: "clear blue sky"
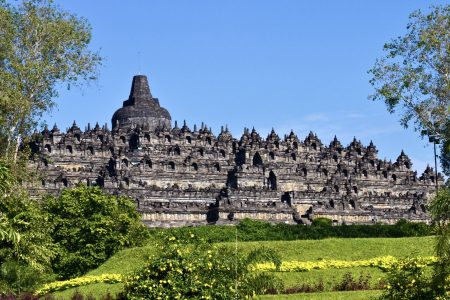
[[298, 65]]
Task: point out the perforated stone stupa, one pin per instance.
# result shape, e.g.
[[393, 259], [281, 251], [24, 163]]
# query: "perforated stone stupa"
[[188, 176]]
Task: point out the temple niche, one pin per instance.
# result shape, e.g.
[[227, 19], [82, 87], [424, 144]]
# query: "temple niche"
[[179, 175]]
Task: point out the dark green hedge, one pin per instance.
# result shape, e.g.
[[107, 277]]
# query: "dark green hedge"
[[250, 230]]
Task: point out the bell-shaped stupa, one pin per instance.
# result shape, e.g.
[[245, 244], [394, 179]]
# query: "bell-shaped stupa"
[[141, 109]]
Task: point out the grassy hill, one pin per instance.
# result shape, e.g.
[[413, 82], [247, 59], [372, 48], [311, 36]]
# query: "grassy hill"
[[132, 259]]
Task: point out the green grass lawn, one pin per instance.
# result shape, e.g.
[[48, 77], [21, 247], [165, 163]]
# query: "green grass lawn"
[[353, 295], [128, 260], [347, 249], [330, 277]]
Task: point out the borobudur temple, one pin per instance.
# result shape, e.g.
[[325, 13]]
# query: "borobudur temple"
[[188, 176]]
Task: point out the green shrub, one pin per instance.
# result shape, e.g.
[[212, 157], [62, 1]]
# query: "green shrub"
[[89, 227], [18, 277], [407, 279], [251, 230], [198, 270], [349, 283], [322, 222], [440, 211], [26, 246]]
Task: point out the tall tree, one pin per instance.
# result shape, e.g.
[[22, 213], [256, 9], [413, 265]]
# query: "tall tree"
[[413, 78], [41, 46]]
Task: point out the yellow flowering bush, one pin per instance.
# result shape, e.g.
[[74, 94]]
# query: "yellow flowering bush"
[[194, 269], [384, 263], [79, 281], [407, 279]]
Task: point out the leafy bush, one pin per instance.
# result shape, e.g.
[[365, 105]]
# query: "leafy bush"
[[440, 210], [322, 222], [26, 247], [22, 296], [198, 270], [18, 277], [89, 227], [349, 283], [251, 230], [406, 279]]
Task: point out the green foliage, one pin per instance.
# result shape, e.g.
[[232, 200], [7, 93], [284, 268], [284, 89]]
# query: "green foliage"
[[89, 226], [18, 278], [349, 283], [251, 230], [198, 270], [6, 180], [445, 152], [26, 247], [407, 280], [322, 222], [7, 232], [23, 217], [24, 229], [440, 207], [41, 46], [408, 228], [440, 211], [413, 76]]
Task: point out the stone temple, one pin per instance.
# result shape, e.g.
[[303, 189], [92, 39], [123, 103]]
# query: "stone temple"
[[188, 176]]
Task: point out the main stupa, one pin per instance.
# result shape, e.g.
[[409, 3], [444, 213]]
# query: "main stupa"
[[141, 109]]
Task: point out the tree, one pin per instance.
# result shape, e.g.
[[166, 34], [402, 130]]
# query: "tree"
[[440, 210], [445, 151], [89, 226], [413, 77], [41, 47], [26, 247]]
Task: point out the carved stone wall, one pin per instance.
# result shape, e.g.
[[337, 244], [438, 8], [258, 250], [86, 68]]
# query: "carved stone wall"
[[183, 176]]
